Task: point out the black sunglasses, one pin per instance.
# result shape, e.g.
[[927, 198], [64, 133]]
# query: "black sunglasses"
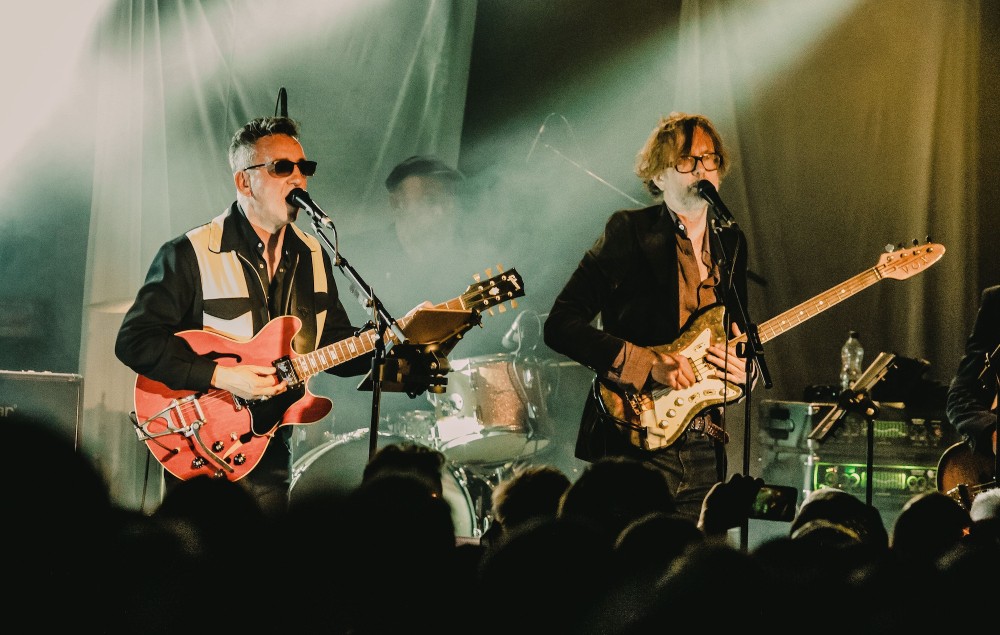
[[284, 167]]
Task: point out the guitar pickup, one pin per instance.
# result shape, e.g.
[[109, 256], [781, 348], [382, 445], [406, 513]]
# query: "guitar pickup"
[[286, 372]]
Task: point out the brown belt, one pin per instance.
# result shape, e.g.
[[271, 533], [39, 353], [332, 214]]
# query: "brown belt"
[[703, 423]]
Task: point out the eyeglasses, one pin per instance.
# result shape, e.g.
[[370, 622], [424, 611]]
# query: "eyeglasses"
[[710, 161], [284, 167]]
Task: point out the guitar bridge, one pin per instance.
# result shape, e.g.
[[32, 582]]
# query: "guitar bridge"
[[175, 418]]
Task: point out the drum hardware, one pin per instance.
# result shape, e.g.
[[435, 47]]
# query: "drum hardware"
[[338, 466], [416, 425], [488, 413]]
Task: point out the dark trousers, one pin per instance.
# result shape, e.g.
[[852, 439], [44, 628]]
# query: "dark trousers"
[[692, 465]]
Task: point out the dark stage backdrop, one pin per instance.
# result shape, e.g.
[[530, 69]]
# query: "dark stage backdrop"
[[853, 125]]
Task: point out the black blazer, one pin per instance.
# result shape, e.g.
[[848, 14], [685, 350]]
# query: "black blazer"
[[969, 397], [629, 277]]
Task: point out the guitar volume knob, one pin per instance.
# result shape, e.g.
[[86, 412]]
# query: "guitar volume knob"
[[240, 459]]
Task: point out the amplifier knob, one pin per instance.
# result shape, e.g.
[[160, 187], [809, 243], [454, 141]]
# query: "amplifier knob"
[[916, 483]]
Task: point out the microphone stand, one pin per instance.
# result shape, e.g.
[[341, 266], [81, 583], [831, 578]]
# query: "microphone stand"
[[752, 351], [383, 323]]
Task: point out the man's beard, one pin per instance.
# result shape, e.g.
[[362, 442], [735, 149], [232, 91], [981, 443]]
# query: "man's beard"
[[691, 198]]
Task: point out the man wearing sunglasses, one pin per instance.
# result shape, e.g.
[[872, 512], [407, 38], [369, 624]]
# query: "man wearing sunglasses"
[[232, 276], [650, 273]]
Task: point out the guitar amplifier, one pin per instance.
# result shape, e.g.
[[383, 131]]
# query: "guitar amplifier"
[[785, 426], [887, 480], [54, 398]]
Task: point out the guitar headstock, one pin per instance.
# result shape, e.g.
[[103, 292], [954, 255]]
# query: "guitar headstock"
[[902, 262], [494, 291]]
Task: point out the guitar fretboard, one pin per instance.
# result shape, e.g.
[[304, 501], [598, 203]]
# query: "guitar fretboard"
[[797, 315], [483, 295], [897, 265]]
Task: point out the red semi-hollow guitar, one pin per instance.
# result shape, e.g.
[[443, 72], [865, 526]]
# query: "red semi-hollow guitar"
[[219, 434]]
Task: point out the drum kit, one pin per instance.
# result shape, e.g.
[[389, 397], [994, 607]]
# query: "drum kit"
[[490, 418]]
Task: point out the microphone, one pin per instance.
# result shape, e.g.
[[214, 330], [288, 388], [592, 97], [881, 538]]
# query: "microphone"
[[708, 192], [283, 101], [513, 339], [300, 198]]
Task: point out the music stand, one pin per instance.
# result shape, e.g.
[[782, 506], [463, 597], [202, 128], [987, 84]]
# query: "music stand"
[[421, 363], [857, 399]]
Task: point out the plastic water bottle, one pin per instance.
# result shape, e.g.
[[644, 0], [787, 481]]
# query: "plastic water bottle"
[[851, 356]]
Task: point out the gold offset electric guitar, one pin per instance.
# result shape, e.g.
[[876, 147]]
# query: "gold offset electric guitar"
[[662, 414]]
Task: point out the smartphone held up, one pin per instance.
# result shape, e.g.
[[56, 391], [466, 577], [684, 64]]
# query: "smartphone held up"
[[775, 502]]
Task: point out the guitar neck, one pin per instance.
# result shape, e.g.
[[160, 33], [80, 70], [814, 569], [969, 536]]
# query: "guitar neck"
[[335, 354], [344, 351], [810, 308]]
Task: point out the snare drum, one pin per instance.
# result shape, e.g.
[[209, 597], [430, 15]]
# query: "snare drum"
[[487, 412], [339, 465]]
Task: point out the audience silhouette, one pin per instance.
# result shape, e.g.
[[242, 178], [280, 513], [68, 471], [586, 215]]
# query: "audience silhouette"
[[613, 491], [605, 554], [530, 494]]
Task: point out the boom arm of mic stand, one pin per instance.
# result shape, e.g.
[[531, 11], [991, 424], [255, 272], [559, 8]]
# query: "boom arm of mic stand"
[[589, 173], [361, 290], [383, 323]]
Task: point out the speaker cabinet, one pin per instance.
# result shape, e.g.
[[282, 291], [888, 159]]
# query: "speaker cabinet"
[[55, 398], [906, 444]]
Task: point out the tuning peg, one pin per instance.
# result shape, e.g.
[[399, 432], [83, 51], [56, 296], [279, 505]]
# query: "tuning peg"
[[477, 277], [889, 248], [928, 239], [899, 246], [489, 273], [490, 311], [513, 304], [499, 268]]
